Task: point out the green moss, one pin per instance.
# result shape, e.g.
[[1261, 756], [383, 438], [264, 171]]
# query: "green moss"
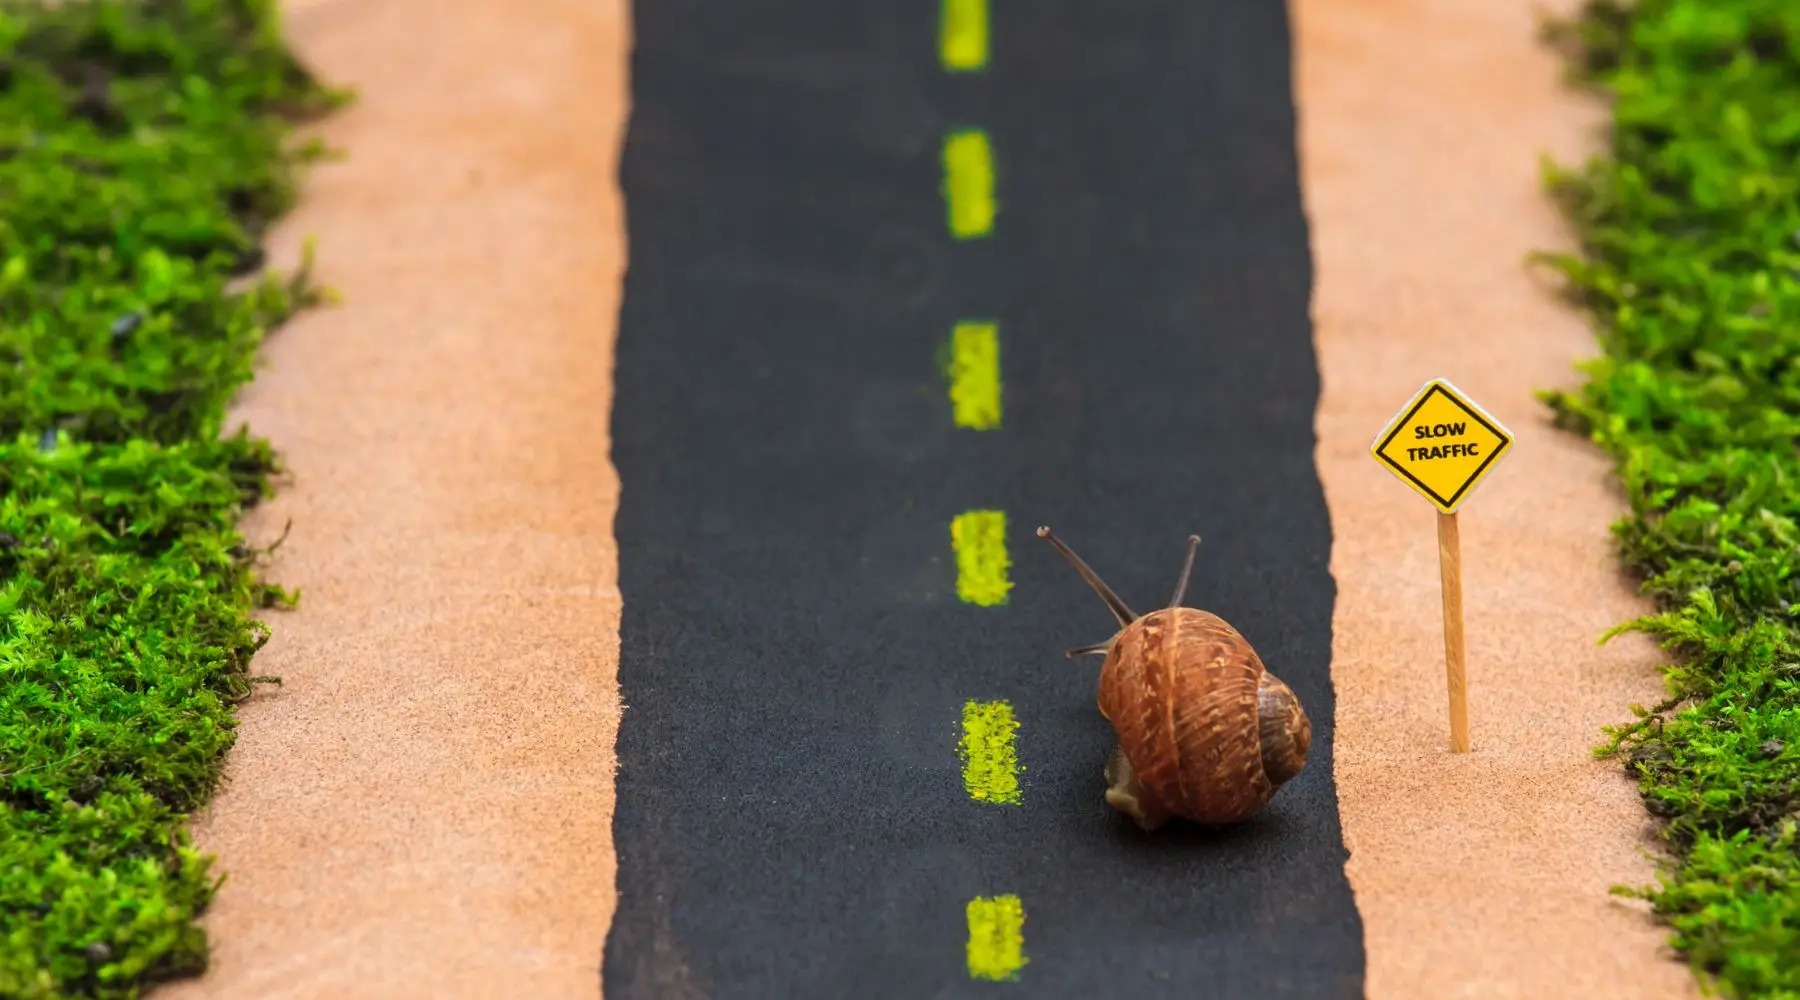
[[1690, 268], [142, 154]]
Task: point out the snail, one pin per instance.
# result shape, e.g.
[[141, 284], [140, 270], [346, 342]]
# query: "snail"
[[1205, 732]]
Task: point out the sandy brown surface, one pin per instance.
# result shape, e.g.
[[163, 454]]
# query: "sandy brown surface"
[[1486, 874], [424, 809]]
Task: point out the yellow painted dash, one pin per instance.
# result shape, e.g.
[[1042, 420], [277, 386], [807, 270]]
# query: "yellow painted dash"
[[969, 183], [975, 375], [990, 752], [978, 538], [963, 35], [996, 937]]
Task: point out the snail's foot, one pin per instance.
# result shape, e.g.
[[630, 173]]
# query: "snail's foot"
[[1124, 793]]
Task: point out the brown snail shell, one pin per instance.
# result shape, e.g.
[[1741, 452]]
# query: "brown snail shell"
[[1205, 731]]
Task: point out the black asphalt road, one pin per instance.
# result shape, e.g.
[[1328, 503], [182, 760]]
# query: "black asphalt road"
[[792, 822]]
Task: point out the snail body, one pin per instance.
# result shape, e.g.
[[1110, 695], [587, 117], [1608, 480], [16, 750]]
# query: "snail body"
[[1205, 731]]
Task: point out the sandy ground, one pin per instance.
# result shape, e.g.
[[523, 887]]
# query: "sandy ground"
[[424, 810], [1479, 875]]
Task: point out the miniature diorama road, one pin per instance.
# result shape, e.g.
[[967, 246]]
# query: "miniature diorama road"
[[1147, 269], [798, 644]]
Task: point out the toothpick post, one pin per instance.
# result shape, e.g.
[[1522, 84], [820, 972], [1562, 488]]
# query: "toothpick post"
[[1455, 673]]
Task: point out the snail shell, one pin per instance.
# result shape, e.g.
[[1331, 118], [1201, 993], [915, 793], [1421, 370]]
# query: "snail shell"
[[1205, 731]]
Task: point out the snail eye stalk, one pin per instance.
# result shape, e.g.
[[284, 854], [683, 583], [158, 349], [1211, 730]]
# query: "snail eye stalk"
[[1187, 569], [1119, 610]]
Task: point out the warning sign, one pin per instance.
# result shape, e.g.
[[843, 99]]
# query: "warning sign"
[[1441, 444]]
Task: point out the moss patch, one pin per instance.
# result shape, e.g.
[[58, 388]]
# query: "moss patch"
[[142, 154], [1690, 267]]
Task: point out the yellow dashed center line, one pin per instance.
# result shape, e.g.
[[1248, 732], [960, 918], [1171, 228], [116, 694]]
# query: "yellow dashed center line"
[[989, 752], [975, 375], [969, 183], [978, 538], [988, 746], [963, 35], [996, 937]]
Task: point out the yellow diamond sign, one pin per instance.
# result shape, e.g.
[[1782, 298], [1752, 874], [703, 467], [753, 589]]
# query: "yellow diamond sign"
[[1441, 444]]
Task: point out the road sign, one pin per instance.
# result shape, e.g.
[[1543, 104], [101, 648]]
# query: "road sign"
[[1441, 444]]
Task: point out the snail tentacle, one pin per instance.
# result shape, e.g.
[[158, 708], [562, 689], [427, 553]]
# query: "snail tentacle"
[[1124, 614], [1097, 649], [1187, 569]]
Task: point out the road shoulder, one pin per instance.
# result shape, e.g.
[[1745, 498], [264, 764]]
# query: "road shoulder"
[[423, 808], [1483, 875]]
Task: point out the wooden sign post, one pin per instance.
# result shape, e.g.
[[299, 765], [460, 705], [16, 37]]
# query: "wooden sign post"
[[1441, 444]]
